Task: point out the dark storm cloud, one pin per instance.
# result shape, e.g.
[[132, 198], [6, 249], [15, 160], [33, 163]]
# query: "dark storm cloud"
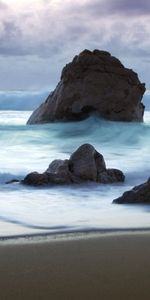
[[112, 7], [137, 7]]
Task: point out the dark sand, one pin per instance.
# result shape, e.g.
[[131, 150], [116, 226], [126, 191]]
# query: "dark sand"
[[105, 266]]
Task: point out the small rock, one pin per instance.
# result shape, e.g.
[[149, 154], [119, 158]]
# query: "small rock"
[[86, 162], [111, 176], [36, 179], [56, 165], [12, 181], [58, 171], [139, 194]]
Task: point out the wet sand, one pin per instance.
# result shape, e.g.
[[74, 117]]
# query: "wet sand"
[[112, 266]]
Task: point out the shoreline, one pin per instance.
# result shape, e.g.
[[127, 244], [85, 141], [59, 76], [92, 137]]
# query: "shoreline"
[[43, 237]]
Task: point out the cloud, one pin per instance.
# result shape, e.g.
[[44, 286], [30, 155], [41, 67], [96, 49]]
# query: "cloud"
[[114, 7], [46, 29], [53, 32], [135, 7], [3, 6]]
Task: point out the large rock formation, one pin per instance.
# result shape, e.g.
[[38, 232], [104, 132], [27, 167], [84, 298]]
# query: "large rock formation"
[[139, 194], [85, 164], [93, 83]]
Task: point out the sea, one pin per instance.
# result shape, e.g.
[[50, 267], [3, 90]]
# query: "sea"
[[75, 208]]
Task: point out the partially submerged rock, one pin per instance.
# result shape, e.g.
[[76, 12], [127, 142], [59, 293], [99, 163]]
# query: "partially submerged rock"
[[94, 82], [85, 164], [139, 194], [12, 181]]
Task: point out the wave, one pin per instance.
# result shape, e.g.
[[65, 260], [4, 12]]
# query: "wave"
[[24, 149], [21, 100]]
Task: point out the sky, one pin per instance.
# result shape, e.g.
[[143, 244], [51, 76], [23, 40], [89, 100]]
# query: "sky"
[[38, 37]]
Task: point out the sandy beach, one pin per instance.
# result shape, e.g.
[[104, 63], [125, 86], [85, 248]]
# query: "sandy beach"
[[91, 266]]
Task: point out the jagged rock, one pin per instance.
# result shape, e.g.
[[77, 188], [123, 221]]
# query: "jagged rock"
[[139, 194], [12, 181], [85, 164], [58, 171], [94, 82], [56, 165]]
